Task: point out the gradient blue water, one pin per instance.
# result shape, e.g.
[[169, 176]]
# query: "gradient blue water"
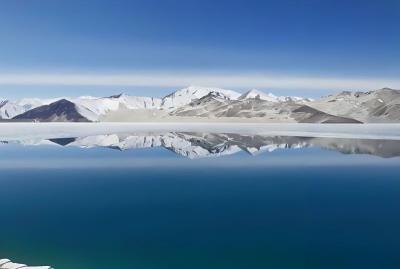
[[168, 212]]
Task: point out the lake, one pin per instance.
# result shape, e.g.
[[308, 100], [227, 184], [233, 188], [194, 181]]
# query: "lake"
[[180, 199]]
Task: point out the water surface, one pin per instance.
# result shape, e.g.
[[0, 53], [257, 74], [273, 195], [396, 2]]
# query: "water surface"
[[200, 200]]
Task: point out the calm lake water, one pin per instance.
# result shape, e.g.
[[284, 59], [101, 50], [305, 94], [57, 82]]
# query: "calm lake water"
[[195, 200]]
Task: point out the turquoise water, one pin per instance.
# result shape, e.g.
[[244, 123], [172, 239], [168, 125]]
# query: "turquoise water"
[[150, 208]]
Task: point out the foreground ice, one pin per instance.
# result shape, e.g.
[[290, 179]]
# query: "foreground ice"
[[10, 131], [7, 264]]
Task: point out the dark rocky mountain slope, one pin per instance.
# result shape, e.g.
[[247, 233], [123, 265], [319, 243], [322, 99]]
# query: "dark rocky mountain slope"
[[60, 111]]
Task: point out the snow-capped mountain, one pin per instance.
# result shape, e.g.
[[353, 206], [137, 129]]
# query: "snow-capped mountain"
[[187, 95], [93, 107], [90, 107], [59, 111], [213, 103], [101, 106], [256, 94], [212, 106]]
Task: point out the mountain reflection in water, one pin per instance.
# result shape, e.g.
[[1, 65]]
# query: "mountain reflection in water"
[[195, 145]]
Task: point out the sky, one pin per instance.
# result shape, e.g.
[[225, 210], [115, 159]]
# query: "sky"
[[97, 47]]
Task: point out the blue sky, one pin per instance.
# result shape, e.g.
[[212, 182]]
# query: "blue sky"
[[317, 46]]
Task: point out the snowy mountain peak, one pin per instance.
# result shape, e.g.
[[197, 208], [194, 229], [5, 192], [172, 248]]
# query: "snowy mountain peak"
[[217, 95], [256, 94], [187, 95], [93, 108]]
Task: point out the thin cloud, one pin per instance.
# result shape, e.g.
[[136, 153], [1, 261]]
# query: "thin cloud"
[[182, 79]]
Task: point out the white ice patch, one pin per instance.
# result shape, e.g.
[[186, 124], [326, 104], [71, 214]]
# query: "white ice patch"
[[7, 264]]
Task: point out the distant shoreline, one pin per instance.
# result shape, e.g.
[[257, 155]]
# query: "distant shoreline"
[[20, 130]]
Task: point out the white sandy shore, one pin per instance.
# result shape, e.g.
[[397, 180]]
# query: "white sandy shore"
[[15, 131]]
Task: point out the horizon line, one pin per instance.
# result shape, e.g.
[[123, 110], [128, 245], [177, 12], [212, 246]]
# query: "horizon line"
[[180, 79]]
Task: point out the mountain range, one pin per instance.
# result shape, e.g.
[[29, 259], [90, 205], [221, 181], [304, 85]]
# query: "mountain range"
[[211, 104]]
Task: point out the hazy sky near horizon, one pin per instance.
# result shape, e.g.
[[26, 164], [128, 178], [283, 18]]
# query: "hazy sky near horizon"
[[98, 47]]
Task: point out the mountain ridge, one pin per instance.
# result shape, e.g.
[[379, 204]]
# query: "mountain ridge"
[[195, 102]]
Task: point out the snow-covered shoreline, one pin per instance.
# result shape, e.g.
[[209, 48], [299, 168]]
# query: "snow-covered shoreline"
[[11, 131]]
